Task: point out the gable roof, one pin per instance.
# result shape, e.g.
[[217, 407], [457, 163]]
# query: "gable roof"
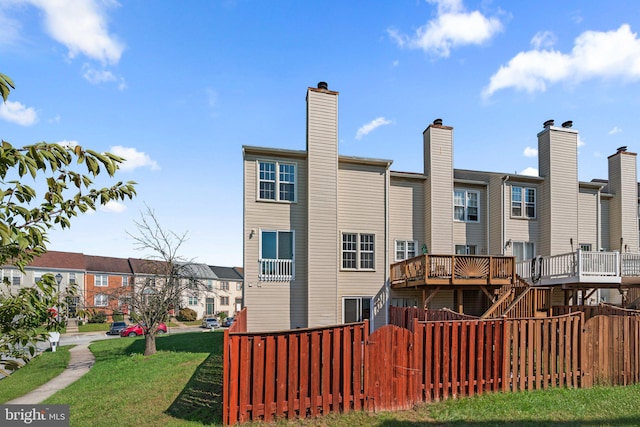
[[59, 260], [107, 264], [226, 273]]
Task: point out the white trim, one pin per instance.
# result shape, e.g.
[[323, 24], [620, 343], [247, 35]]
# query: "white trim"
[[358, 251], [276, 181], [466, 206]]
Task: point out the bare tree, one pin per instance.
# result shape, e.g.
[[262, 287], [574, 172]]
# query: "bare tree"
[[162, 279]]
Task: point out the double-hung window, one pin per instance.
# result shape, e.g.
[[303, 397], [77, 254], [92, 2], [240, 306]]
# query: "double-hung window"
[[523, 251], [358, 251], [192, 300], [405, 249], [101, 280], [523, 202], [276, 256], [100, 300], [276, 181], [465, 205]]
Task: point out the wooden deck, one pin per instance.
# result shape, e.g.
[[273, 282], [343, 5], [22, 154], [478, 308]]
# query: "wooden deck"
[[453, 270]]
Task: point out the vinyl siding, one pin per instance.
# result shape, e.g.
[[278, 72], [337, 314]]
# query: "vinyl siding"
[[274, 305], [473, 233], [522, 229], [406, 213], [443, 299], [588, 220], [438, 152], [624, 206], [560, 190], [362, 202], [322, 147]]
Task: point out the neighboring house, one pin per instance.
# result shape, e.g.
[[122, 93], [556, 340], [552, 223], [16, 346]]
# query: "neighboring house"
[[322, 230], [107, 284], [104, 283], [229, 284]]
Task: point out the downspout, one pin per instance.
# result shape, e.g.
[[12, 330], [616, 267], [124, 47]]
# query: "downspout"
[[387, 267], [488, 239], [504, 213]]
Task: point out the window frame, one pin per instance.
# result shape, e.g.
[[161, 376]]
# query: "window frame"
[[524, 245], [466, 205], [468, 249], [359, 260], [192, 300], [280, 181], [524, 204], [224, 300], [405, 250], [98, 297], [104, 280]]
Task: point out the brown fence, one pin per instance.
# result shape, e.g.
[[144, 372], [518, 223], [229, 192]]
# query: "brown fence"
[[594, 310], [403, 316], [311, 372], [294, 374]]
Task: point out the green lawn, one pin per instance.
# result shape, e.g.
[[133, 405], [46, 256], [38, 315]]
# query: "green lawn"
[[181, 385], [37, 372], [94, 327]]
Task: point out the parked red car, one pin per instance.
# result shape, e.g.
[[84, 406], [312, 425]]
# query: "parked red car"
[[141, 329]]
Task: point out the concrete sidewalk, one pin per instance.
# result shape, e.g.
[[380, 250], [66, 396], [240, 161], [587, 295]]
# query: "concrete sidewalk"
[[81, 361]]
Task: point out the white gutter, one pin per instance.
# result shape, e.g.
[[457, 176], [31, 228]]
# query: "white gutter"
[[504, 212]]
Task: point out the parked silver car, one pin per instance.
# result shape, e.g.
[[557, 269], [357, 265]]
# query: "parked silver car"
[[210, 323]]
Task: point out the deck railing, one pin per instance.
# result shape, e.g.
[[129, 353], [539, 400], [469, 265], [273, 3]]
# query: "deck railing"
[[453, 267], [276, 270], [581, 266]]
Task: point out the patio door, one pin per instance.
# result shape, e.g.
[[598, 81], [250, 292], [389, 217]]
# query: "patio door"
[[209, 306], [356, 309]]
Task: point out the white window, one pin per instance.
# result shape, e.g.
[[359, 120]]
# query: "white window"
[[37, 277], [238, 286], [193, 300], [276, 181], [72, 278], [100, 300], [12, 276], [523, 202], [358, 251], [224, 286], [466, 205], [356, 309], [585, 247], [405, 249], [209, 284], [523, 251], [276, 256], [224, 300], [125, 281], [101, 280], [466, 249]]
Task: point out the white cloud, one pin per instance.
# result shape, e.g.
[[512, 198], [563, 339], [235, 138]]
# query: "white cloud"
[[580, 141], [133, 158], [371, 126], [55, 119], [81, 26], [68, 144], [452, 27], [543, 39], [17, 113], [530, 152], [395, 63], [113, 206], [615, 130], [530, 171], [97, 76], [596, 54]]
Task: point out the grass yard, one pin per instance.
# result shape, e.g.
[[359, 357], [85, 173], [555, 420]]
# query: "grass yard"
[[181, 385], [37, 372], [94, 327]]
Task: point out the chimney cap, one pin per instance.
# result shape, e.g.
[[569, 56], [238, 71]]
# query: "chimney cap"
[[621, 149], [567, 124], [323, 85], [437, 122], [548, 123]]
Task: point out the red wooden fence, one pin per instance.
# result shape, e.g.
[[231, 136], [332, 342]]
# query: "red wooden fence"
[[311, 372], [294, 374]]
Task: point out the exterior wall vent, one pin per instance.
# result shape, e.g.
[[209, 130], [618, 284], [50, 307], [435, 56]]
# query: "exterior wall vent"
[[567, 124], [323, 85], [437, 122], [548, 123]]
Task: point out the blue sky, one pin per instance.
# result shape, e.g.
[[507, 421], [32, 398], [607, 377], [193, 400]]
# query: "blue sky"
[[178, 88]]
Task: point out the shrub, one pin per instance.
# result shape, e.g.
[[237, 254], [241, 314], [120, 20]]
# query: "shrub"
[[117, 316], [98, 317], [187, 315]]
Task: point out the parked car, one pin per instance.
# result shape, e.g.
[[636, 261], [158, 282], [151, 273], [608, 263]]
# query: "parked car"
[[141, 329], [116, 328], [210, 323], [227, 322]]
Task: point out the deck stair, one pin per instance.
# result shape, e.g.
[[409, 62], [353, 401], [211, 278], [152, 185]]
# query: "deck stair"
[[535, 301], [505, 297]]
